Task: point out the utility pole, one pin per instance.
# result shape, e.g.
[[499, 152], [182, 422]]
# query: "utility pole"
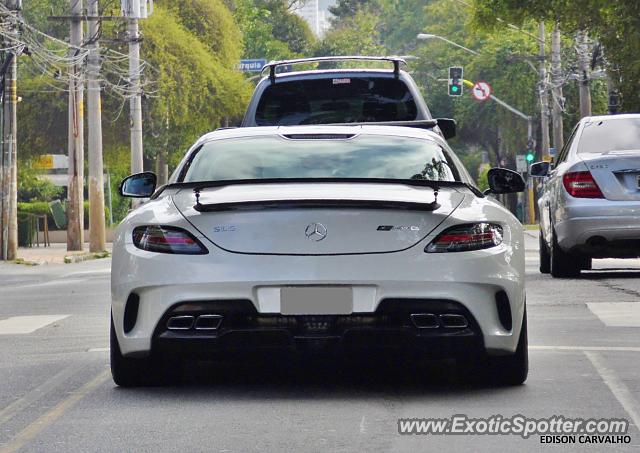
[[135, 102], [556, 89], [544, 97], [584, 60], [75, 195], [9, 175], [97, 240]]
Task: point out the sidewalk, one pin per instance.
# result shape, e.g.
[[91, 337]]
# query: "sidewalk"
[[57, 254]]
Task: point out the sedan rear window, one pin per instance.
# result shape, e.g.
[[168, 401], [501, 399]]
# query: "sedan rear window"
[[610, 135], [361, 156], [336, 100]]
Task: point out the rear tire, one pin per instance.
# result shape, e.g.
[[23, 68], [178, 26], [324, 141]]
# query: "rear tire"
[[545, 256], [511, 369], [563, 264], [136, 372]]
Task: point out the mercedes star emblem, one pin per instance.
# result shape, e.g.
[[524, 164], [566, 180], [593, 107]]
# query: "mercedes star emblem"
[[316, 232]]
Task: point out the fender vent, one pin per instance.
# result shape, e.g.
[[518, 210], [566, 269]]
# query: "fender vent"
[[131, 312], [504, 310]]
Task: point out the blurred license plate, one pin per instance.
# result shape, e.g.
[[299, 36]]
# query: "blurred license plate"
[[316, 300]]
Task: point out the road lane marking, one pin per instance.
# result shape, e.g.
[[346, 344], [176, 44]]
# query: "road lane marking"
[[98, 350], [35, 394], [33, 429], [617, 314], [617, 387], [586, 348], [27, 324]]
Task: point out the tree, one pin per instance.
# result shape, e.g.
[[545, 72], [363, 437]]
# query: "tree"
[[615, 23], [271, 30]]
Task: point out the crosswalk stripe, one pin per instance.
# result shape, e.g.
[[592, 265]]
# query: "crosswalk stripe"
[[617, 314], [17, 325]]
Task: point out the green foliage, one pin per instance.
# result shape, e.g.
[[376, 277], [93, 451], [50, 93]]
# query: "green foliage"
[[347, 8], [358, 34], [34, 207], [615, 23], [213, 24], [271, 30], [116, 163], [32, 187], [483, 180]]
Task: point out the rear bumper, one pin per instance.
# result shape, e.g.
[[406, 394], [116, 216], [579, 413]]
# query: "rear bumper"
[[390, 327], [600, 228], [470, 279]]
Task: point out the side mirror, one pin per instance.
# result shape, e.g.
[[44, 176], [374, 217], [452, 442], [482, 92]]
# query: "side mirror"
[[447, 127], [140, 185], [503, 180], [540, 169]]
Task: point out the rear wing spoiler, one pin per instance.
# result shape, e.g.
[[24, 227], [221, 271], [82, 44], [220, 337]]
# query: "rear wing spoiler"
[[272, 65], [446, 125]]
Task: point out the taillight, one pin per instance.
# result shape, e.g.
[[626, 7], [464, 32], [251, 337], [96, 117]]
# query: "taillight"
[[580, 184], [464, 238], [165, 239]]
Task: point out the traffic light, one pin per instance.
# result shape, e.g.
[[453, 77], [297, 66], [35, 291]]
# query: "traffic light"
[[530, 156], [455, 81]]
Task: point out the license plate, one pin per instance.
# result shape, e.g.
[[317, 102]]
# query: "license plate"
[[316, 300]]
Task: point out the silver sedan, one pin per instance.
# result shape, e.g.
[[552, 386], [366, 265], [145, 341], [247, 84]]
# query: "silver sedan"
[[590, 202]]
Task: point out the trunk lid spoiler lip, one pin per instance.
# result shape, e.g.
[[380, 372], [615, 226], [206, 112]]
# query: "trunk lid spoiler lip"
[[319, 203], [197, 187]]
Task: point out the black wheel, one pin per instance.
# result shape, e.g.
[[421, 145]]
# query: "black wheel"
[[563, 264], [135, 372], [545, 256], [511, 369], [586, 263]]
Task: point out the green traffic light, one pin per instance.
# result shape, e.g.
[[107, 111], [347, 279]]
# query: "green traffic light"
[[529, 157], [454, 88]]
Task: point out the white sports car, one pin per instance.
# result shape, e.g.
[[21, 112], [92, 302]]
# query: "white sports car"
[[318, 238]]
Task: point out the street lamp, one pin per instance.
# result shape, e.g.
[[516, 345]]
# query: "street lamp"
[[425, 36]]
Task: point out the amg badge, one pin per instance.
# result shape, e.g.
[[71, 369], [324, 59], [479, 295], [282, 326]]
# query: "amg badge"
[[398, 228]]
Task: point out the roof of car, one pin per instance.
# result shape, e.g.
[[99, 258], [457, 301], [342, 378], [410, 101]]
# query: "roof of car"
[[321, 129], [621, 116], [327, 73]]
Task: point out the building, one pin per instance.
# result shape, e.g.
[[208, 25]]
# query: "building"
[[316, 14]]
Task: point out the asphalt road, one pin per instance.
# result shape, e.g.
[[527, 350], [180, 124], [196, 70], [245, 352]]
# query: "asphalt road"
[[56, 394]]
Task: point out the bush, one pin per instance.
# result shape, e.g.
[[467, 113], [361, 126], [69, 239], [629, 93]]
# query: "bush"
[[34, 207], [483, 182], [31, 187]]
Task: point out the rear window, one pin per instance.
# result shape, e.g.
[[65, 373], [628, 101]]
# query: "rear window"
[[336, 100], [362, 156], [610, 135]]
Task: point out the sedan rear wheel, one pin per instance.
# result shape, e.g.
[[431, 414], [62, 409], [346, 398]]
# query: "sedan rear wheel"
[[563, 264]]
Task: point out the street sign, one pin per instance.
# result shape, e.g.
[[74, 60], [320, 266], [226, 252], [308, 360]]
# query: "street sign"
[[51, 161], [481, 91], [255, 65], [521, 163]]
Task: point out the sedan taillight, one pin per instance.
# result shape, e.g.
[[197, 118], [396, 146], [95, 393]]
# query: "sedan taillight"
[[464, 238], [580, 184], [165, 239]]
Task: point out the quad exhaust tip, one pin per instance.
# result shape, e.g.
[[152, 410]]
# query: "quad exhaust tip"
[[208, 322], [433, 321], [180, 322], [425, 320], [188, 322]]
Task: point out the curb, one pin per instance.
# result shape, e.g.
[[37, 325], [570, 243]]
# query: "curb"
[[69, 259]]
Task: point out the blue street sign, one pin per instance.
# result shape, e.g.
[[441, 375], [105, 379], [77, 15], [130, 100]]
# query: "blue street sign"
[[251, 65]]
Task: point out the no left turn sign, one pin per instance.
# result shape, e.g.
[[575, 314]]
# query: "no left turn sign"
[[481, 91]]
